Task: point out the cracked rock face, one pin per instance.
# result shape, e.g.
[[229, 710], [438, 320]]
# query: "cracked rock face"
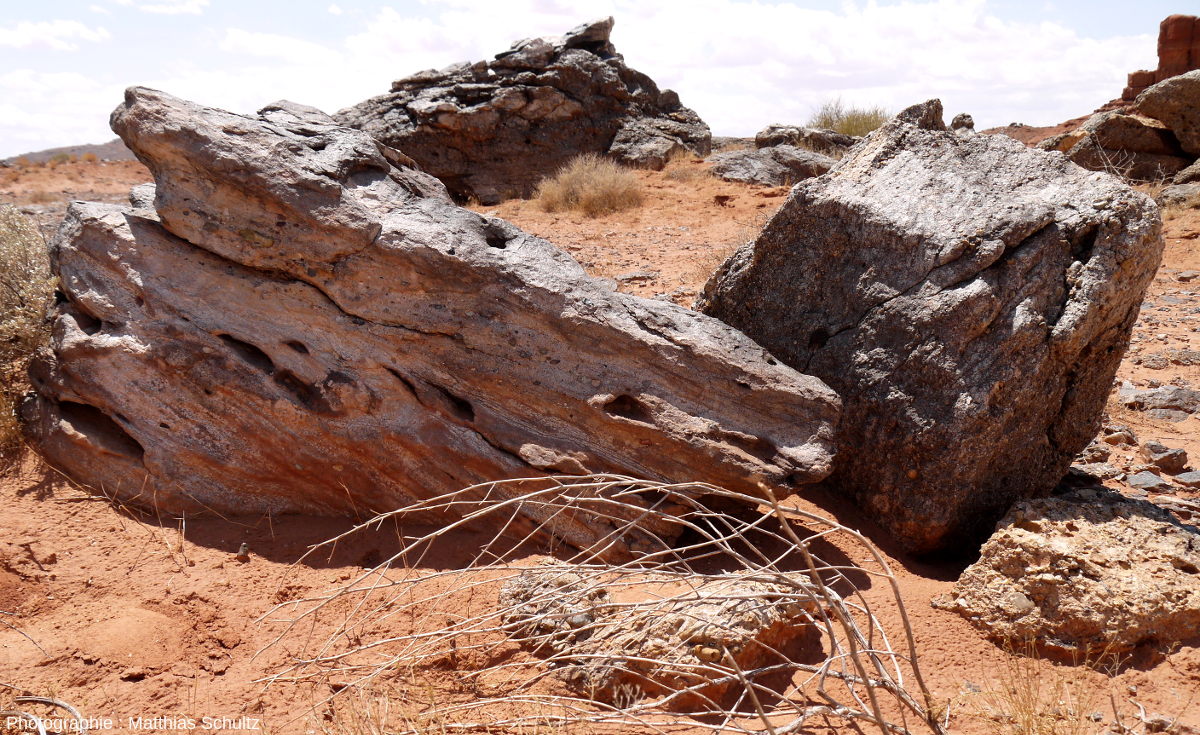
[[969, 299], [301, 324], [1087, 573], [492, 130]]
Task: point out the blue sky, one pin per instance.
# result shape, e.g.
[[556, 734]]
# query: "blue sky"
[[740, 64]]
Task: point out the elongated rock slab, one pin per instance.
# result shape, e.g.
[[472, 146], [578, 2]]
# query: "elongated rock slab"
[[968, 298], [301, 325]]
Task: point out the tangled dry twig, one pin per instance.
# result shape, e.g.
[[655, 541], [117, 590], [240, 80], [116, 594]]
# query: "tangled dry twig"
[[745, 616]]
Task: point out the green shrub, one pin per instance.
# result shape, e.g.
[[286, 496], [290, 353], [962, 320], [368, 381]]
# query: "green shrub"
[[835, 116], [592, 185], [26, 288]]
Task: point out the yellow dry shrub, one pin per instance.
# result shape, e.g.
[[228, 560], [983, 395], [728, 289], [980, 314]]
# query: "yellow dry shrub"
[[592, 185], [836, 116]]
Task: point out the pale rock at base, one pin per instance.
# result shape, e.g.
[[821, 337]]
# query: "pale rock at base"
[[1085, 574]]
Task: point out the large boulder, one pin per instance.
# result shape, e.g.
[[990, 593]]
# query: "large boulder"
[[1130, 146], [301, 324], [492, 130], [1087, 574], [774, 166], [970, 300], [1176, 102]]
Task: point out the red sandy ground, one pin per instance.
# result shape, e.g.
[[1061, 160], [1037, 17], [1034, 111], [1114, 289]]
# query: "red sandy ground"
[[124, 615]]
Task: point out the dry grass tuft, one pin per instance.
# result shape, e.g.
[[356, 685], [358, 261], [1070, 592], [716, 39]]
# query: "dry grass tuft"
[[836, 116], [592, 185], [1032, 696], [25, 292]]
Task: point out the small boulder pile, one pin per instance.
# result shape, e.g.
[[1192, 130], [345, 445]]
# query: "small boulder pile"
[[492, 130]]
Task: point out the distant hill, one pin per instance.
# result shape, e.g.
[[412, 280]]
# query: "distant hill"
[[113, 150]]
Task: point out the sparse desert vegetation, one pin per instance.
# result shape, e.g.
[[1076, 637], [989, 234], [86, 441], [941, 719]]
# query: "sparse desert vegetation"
[[590, 184], [25, 290], [846, 119]]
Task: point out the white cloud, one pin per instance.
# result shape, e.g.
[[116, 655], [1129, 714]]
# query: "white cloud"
[[740, 64], [168, 7], [99, 9], [335, 9], [59, 35], [273, 46], [41, 110]]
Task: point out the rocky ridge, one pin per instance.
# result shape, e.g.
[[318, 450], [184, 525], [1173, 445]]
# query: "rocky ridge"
[[491, 130]]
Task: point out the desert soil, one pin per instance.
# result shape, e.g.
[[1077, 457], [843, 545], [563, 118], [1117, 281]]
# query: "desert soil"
[[126, 614]]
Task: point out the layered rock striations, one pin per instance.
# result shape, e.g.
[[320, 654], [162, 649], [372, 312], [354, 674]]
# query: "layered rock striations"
[[493, 129], [304, 323], [970, 300]]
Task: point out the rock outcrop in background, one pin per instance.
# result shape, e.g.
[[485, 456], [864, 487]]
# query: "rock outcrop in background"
[[302, 323], [772, 166], [493, 129], [1178, 52], [969, 298]]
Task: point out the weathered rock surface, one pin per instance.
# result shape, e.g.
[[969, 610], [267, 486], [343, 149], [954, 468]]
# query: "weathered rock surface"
[[655, 634], [775, 166], [1166, 397], [1180, 195], [814, 139], [303, 326], [1085, 573], [492, 130], [1176, 102], [1131, 146], [969, 299]]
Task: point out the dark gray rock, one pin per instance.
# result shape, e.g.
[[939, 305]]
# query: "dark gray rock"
[[1188, 479], [814, 139], [780, 165], [493, 130], [968, 297], [1168, 397], [1176, 102], [1170, 461], [303, 325], [1148, 481]]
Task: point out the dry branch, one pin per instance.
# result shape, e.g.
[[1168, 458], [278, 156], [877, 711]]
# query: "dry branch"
[[710, 630]]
